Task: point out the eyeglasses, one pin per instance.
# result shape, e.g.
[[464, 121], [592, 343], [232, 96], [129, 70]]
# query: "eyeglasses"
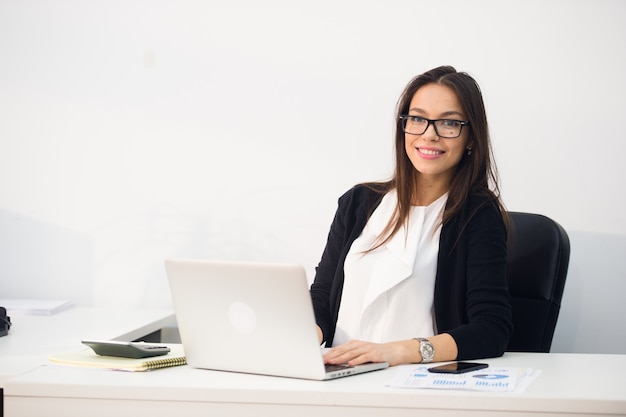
[[445, 128]]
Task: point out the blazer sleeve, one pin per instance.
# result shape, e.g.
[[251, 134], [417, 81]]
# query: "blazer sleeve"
[[472, 300], [324, 285], [350, 218]]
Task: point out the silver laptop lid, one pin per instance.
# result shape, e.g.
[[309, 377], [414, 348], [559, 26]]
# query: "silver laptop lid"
[[246, 317]]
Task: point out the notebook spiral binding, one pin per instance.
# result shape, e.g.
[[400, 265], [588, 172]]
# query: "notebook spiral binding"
[[164, 363]]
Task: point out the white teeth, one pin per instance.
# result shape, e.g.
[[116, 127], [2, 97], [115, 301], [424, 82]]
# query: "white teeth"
[[429, 152]]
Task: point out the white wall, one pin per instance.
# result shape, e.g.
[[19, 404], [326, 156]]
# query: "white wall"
[[132, 131]]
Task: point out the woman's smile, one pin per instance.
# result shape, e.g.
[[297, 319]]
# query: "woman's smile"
[[429, 153]]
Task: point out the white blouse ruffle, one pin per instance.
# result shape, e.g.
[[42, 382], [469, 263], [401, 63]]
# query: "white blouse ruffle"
[[388, 293]]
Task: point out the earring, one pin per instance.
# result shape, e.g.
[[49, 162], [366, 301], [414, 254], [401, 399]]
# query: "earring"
[[469, 151]]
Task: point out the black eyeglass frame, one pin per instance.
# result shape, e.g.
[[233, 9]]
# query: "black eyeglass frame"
[[405, 117]]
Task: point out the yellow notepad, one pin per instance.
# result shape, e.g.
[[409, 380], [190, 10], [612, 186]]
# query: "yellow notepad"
[[89, 358]]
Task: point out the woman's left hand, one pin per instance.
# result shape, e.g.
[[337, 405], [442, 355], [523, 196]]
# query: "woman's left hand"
[[356, 352]]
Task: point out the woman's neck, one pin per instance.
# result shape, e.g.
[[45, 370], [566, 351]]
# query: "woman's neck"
[[429, 190]]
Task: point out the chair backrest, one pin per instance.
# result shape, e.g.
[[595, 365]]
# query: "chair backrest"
[[537, 262]]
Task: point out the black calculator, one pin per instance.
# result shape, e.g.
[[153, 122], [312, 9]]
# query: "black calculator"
[[134, 350]]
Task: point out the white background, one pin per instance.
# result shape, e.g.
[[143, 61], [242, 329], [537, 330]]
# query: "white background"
[[132, 131]]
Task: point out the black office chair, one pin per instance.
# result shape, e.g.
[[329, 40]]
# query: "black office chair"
[[537, 262]]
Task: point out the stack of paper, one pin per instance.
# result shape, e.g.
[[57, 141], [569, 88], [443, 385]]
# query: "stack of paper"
[[37, 307]]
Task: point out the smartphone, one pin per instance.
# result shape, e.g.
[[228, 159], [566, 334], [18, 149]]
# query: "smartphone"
[[133, 350], [457, 367]]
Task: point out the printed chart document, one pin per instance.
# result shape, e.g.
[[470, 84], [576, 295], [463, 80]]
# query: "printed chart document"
[[489, 379]]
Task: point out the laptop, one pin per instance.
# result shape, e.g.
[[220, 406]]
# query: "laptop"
[[249, 317]]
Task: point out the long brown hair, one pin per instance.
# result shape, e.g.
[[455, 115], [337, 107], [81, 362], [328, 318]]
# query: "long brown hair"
[[475, 173]]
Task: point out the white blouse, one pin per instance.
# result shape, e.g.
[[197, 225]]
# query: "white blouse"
[[388, 293]]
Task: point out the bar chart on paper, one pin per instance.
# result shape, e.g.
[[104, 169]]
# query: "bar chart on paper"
[[498, 380], [449, 383]]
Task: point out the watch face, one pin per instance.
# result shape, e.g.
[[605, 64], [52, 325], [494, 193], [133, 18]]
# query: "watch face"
[[427, 350]]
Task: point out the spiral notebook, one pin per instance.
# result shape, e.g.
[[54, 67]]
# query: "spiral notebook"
[[89, 358]]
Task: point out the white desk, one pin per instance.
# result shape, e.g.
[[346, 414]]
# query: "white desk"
[[561, 390], [33, 338]]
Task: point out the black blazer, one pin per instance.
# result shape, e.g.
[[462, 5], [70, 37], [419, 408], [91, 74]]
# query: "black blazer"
[[471, 298]]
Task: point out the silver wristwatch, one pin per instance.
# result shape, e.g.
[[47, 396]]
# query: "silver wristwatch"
[[427, 350]]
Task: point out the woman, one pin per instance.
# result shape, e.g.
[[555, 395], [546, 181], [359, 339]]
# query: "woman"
[[414, 269]]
